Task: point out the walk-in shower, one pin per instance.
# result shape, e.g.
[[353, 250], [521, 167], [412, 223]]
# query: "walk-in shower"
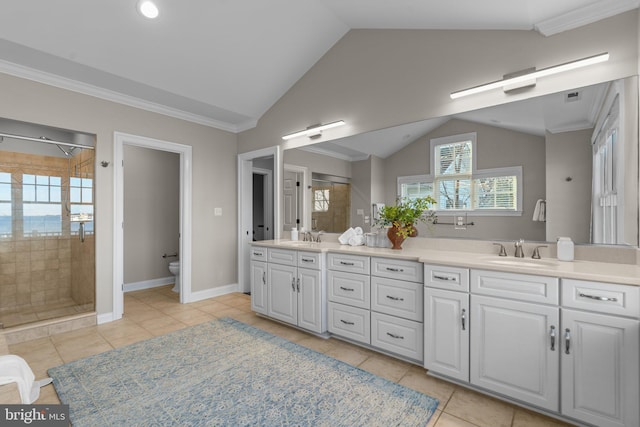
[[47, 246]]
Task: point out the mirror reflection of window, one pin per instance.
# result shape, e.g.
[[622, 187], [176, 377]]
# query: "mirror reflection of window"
[[331, 201]]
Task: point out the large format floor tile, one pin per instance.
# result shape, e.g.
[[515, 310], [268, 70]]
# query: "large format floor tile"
[[153, 312]]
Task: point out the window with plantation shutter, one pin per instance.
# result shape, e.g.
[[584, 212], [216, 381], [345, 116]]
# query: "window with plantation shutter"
[[458, 186]]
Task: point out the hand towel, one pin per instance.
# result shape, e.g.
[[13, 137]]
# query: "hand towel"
[[539, 213], [14, 369]]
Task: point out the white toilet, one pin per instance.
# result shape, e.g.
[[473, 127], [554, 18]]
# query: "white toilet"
[[174, 268]]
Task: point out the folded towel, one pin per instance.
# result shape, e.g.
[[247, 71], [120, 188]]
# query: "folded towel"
[[14, 369], [344, 237], [356, 240], [539, 212], [359, 231]]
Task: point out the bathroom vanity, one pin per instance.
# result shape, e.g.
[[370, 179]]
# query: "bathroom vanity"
[[560, 338]]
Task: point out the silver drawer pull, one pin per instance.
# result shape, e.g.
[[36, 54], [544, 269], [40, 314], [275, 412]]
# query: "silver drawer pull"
[[258, 253], [347, 289], [567, 341], [395, 270], [445, 278], [346, 322], [395, 298], [463, 319], [264, 277], [598, 298], [346, 263], [552, 336], [398, 337], [308, 260]]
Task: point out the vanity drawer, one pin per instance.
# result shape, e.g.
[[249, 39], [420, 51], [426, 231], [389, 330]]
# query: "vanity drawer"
[[397, 298], [282, 256], [350, 322], [449, 278], [349, 263], [400, 336], [258, 253], [524, 287], [609, 298], [349, 288], [397, 269], [311, 260]]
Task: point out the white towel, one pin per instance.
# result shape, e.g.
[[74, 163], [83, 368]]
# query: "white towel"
[[357, 240], [14, 369], [539, 213], [344, 237]]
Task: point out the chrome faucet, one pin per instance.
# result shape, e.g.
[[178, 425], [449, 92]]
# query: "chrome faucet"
[[519, 252]]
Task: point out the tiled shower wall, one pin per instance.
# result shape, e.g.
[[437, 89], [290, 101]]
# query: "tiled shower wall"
[[37, 270]]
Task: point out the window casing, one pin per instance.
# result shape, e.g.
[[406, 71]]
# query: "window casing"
[[6, 222], [458, 186]]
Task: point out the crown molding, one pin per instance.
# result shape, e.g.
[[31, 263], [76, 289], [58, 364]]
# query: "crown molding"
[[584, 15], [341, 156], [39, 76]]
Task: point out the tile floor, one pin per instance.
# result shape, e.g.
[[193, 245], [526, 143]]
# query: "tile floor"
[[157, 311], [45, 311]]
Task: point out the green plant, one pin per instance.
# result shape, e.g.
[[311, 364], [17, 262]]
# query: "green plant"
[[406, 213]]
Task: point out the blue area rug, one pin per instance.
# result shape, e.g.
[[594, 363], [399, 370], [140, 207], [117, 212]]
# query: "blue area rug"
[[226, 373]]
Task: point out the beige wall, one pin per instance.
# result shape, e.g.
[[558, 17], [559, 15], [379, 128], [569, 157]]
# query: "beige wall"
[[496, 148], [151, 212], [360, 192], [374, 79], [569, 156], [214, 165], [318, 163]]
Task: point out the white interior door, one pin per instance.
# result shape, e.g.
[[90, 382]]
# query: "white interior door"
[[291, 200]]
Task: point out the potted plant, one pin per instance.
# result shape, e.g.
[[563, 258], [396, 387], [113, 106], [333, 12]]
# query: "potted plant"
[[402, 218]]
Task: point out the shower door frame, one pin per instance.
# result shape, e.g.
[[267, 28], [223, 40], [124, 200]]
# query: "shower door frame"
[[185, 151]]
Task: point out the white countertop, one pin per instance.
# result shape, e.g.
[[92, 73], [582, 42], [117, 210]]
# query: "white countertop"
[[628, 274]]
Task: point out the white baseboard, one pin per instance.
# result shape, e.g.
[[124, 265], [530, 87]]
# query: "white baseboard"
[[148, 284], [213, 292], [104, 318]]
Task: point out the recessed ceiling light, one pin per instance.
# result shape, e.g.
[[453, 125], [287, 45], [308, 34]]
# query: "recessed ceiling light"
[[148, 9]]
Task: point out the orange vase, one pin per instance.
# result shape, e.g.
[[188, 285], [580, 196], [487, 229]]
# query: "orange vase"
[[395, 237]]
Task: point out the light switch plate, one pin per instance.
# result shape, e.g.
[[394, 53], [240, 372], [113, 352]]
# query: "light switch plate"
[[217, 211]]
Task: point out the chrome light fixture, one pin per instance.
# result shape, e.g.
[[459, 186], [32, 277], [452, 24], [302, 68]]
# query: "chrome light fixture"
[[148, 9], [528, 77], [313, 131]]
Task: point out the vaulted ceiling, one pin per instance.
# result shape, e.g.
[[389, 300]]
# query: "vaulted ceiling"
[[224, 63]]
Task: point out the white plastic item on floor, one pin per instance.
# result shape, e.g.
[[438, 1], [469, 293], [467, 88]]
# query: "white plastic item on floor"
[[14, 369]]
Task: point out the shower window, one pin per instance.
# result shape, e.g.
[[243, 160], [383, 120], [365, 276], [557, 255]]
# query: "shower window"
[[42, 205], [5, 205], [81, 198]]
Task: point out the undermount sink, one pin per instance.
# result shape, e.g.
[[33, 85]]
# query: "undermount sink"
[[521, 262]]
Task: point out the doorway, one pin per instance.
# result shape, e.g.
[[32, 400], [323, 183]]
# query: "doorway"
[[262, 207], [265, 159], [185, 153]]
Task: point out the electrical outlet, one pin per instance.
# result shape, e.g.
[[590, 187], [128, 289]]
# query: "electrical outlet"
[[359, 211], [217, 211]]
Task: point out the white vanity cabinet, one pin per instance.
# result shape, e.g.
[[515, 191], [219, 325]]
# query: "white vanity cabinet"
[[397, 311], [259, 280], [349, 287], [295, 283], [446, 321], [599, 353], [515, 321]]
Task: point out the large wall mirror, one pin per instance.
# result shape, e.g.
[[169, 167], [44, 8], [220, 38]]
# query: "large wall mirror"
[[577, 153]]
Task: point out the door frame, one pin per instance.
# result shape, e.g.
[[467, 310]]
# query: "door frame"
[[245, 195], [268, 199], [186, 160]]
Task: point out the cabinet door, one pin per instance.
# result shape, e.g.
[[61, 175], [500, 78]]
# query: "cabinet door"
[[259, 287], [282, 293], [446, 333], [515, 349], [600, 379], [310, 304]]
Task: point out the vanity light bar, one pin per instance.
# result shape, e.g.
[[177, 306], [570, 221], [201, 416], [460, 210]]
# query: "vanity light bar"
[[533, 75], [313, 130]]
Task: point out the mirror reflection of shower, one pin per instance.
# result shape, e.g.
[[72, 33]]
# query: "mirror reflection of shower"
[[47, 239]]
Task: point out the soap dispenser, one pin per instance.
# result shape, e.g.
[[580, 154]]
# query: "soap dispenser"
[[294, 233], [565, 249]]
